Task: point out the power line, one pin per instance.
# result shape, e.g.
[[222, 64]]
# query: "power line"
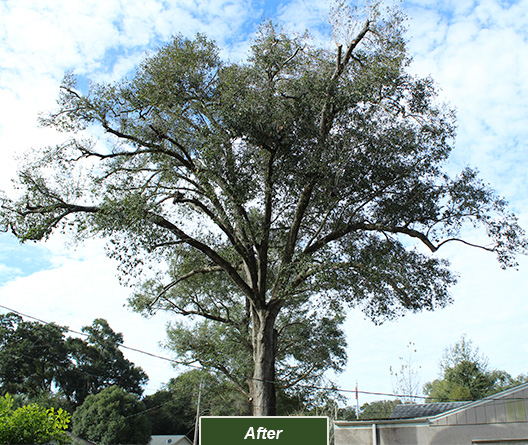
[[160, 357], [315, 387], [84, 334]]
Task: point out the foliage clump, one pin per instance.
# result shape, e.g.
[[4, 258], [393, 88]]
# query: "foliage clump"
[[38, 362], [112, 416], [466, 375], [31, 423]]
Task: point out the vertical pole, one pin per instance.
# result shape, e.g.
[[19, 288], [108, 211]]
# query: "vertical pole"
[[357, 401], [197, 423]]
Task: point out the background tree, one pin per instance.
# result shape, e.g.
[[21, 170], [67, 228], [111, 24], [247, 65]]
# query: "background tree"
[[346, 413], [300, 179], [38, 362], [466, 376], [97, 363], [32, 355], [112, 416], [169, 413], [172, 410], [381, 409], [406, 379]]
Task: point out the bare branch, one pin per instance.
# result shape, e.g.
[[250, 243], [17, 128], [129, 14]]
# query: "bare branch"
[[302, 377], [205, 249], [459, 240]]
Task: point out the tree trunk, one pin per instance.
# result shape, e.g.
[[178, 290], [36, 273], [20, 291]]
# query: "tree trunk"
[[262, 386]]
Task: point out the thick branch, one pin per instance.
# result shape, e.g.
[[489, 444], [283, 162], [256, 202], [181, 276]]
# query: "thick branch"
[[326, 115], [200, 312], [488, 249], [225, 227], [154, 148], [293, 233], [303, 376], [241, 221], [206, 250], [191, 274], [351, 48], [264, 245]]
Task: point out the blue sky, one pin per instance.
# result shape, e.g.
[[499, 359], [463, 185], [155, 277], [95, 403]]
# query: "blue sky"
[[476, 52], [21, 260]]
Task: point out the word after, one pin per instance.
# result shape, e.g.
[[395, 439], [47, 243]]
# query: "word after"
[[262, 433]]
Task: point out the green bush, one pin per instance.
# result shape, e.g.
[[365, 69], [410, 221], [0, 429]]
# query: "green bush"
[[31, 423]]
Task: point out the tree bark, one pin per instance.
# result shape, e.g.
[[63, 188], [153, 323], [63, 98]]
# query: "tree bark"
[[262, 385]]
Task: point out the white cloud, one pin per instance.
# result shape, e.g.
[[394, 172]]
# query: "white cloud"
[[478, 58], [476, 51]]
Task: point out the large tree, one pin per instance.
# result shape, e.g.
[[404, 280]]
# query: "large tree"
[[268, 195], [97, 363]]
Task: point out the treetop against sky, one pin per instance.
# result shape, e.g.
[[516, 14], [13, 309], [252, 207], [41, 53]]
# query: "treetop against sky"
[[460, 44]]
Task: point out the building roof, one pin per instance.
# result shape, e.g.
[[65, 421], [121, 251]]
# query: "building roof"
[[77, 440], [170, 440], [507, 406], [415, 411]]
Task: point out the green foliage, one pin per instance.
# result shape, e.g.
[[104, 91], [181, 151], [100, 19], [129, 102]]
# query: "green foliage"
[[112, 416], [302, 180], [31, 355], [381, 409], [36, 358], [97, 363], [170, 412], [173, 409], [466, 376], [347, 413], [219, 396], [31, 423], [465, 381]]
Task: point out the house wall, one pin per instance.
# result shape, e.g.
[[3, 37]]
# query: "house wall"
[[392, 434], [352, 436], [468, 434]]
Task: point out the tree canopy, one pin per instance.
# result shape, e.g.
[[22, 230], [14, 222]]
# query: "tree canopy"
[[97, 363], [36, 359], [30, 355], [380, 409], [466, 375], [172, 410], [263, 198]]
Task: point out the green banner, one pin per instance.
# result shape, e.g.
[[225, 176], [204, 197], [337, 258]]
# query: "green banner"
[[271, 430]]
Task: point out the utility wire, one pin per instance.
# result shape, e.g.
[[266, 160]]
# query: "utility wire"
[[84, 334], [177, 362], [497, 401]]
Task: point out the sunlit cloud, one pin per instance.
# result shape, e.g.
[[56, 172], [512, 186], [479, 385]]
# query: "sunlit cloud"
[[476, 52]]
